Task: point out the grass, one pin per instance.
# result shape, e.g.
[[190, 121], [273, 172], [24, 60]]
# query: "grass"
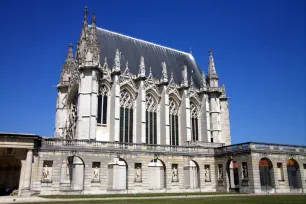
[[266, 199], [132, 195]]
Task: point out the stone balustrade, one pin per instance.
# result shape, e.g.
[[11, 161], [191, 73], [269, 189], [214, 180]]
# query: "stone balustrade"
[[194, 148], [89, 145], [260, 147]]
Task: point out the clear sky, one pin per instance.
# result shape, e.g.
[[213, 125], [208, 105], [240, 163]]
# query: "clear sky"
[[259, 48]]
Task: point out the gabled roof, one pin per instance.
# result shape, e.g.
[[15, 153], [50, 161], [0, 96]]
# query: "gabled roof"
[[132, 49]]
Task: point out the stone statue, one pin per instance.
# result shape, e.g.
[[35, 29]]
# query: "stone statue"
[[138, 174], [96, 173], [245, 172], [206, 174], [46, 173], [174, 174], [220, 173]]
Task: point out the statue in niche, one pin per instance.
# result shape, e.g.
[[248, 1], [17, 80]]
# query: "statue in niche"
[[138, 174], [220, 173], [174, 174], [46, 173], [245, 172], [96, 173], [206, 174]]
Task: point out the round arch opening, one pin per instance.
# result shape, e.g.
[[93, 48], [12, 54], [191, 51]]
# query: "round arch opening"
[[265, 171], [10, 167], [293, 173]]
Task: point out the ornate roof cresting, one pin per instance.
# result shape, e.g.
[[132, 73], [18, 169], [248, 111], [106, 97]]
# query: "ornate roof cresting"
[[212, 73]]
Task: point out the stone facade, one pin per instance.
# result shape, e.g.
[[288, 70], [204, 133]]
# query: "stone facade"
[[145, 120]]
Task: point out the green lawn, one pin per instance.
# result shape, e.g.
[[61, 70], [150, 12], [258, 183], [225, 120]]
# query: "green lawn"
[[267, 199], [133, 195]]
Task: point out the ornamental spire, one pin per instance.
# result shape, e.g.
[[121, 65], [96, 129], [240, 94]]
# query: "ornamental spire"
[[116, 66], [184, 82], [164, 75], [212, 74], [85, 24], [142, 69]]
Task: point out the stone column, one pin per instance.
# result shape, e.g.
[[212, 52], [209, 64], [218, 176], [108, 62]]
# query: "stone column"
[[28, 170]]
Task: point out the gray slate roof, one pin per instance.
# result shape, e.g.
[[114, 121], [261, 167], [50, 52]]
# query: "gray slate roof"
[[132, 49]]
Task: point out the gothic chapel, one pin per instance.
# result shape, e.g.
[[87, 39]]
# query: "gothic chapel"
[[136, 117]]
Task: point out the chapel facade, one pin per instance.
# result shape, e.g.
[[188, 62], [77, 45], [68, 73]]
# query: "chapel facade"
[[137, 117]]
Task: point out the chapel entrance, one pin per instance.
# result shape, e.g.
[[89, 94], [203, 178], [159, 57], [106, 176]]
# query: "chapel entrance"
[[233, 175], [265, 168], [10, 168], [292, 169]]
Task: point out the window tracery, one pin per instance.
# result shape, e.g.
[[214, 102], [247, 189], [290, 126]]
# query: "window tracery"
[[102, 105], [151, 121], [173, 118], [194, 121], [126, 116]]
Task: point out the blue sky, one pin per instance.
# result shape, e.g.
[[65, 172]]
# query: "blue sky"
[[259, 48]]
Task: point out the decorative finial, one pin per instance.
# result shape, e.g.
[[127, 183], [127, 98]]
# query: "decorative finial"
[[105, 65], [142, 69], [172, 78], [184, 82], [164, 77], [116, 66], [150, 71], [190, 50], [85, 14], [210, 51], [93, 18], [127, 65]]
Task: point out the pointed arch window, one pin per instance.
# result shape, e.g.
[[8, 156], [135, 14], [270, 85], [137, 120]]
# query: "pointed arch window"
[[102, 105], [126, 117], [173, 119], [194, 122], [151, 121]]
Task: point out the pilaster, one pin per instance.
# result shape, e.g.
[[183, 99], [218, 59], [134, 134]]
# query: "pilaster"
[[141, 113], [185, 130], [115, 110], [164, 117]]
